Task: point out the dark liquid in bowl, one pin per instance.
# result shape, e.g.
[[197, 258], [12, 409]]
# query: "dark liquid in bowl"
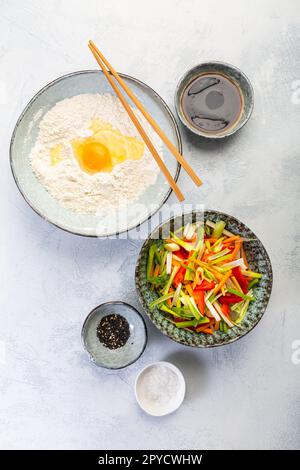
[[212, 103]]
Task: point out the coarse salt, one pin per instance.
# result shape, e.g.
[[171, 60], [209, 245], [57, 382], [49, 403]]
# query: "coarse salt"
[[158, 389]]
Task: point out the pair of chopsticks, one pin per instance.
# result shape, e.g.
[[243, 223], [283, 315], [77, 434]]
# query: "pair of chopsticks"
[[111, 72]]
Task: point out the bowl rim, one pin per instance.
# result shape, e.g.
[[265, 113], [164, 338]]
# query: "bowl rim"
[[181, 378], [92, 312], [178, 95], [178, 144], [145, 307]]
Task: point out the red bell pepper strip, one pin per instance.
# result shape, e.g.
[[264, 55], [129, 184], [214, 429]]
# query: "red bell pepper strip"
[[225, 309], [229, 299], [199, 298], [241, 279], [182, 253], [205, 285], [179, 277]]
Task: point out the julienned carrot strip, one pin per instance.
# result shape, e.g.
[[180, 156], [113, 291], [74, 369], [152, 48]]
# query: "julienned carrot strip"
[[209, 268], [236, 249], [231, 239], [203, 327], [209, 331], [156, 270], [175, 262], [190, 290], [211, 240], [222, 283], [225, 309], [236, 284], [217, 324], [196, 280]]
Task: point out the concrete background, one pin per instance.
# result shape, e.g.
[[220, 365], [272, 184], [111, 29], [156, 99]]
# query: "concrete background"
[[246, 395]]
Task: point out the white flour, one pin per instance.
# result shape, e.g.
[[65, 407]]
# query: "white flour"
[[66, 181]]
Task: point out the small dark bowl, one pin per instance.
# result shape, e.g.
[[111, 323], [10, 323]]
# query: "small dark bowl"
[[232, 73], [258, 259], [114, 358]]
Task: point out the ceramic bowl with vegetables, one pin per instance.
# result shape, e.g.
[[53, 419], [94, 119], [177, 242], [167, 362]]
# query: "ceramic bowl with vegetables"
[[204, 283]]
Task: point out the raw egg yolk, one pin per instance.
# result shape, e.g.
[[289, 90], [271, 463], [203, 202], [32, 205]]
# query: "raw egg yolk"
[[94, 157], [105, 148]]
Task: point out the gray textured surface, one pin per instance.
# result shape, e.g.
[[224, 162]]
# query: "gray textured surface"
[[246, 395]]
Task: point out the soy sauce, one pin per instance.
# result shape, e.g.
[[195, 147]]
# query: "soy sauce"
[[212, 103]]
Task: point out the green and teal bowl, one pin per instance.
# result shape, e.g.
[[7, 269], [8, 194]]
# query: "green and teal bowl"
[[258, 260]]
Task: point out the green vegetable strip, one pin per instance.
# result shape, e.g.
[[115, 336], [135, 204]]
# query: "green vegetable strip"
[[185, 245], [163, 260], [219, 260], [253, 283], [192, 308], [200, 238], [164, 308], [186, 324], [218, 255], [209, 275], [240, 294], [218, 230], [243, 312], [150, 261], [171, 279], [161, 299], [252, 274], [190, 268]]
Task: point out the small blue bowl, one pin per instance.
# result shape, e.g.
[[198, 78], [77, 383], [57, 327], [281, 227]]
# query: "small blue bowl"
[[114, 358]]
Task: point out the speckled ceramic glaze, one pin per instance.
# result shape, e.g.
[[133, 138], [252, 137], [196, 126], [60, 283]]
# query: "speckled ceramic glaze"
[[236, 76], [114, 358], [258, 261]]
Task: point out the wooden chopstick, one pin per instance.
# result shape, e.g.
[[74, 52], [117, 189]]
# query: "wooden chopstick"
[[140, 129], [149, 118]]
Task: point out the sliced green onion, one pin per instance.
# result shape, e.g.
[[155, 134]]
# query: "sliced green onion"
[[164, 308], [234, 264], [185, 245], [251, 274], [172, 247], [224, 318], [161, 299], [219, 260], [212, 310], [218, 255], [253, 283], [240, 294], [218, 229], [169, 262], [176, 294], [186, 324], [194, 310], [211, 224], [152, 250], [163, 260], [170, 281]]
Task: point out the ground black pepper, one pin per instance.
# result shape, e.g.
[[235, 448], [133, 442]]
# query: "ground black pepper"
[[113, 331]]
